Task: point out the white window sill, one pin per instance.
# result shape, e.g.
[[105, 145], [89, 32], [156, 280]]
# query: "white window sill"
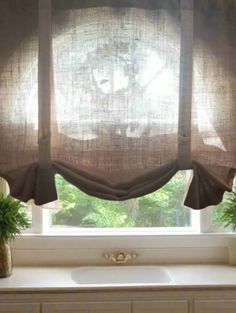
[[88, 249]]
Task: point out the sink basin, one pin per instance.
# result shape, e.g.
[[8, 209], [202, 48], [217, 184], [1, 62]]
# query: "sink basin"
[[122, 275]]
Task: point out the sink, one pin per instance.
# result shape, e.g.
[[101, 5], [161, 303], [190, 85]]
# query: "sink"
[[122, 275]]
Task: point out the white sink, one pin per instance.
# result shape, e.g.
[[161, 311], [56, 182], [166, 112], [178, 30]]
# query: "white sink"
[[122, 275]]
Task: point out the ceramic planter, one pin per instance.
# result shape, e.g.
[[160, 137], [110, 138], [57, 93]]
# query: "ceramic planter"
[[5, 259], [232, 250]]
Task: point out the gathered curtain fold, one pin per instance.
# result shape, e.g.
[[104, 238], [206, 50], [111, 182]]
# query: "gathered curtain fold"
[[117, 96]]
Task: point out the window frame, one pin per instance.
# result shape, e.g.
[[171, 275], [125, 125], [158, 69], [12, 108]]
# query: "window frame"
[[201, 223]]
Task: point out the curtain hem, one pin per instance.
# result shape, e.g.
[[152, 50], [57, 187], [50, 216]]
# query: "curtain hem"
[[32, 182]]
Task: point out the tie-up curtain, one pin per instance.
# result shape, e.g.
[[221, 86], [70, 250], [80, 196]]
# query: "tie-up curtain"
[[117, 96]]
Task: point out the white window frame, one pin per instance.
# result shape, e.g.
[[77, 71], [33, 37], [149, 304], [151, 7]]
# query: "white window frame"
[[47, 228], [201, 222]]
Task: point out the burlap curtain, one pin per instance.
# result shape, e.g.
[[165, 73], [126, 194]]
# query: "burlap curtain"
[[117, 96]]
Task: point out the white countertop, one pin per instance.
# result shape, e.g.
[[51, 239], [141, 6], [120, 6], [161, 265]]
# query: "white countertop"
[[60, 278]]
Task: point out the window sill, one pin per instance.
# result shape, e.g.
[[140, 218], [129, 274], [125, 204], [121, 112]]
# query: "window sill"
[[167, 248]]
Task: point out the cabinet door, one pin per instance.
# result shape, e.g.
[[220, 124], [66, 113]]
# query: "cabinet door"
[[19, 308], [84, 307], [160, 307], [215, 306]]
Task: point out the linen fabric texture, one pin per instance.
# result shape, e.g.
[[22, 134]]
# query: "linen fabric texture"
[[118, 98]]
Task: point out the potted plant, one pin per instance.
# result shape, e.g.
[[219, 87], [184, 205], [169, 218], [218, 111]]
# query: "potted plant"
[[12, 220], [228, 217]]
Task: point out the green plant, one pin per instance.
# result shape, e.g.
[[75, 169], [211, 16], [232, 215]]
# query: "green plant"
[[228, 216], [12, 218]]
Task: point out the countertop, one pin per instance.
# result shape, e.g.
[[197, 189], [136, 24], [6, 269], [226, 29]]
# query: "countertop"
[[60, 279]]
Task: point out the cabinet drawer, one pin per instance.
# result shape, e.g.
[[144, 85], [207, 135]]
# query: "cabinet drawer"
[[86, 307], [215, 306], [180, 306], [19, 308]]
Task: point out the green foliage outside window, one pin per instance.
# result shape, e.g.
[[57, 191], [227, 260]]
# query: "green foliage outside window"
[[218, 212], [228, 212], [162, 208]]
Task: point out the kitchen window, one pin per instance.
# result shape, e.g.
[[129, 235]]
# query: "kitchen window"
[[120, 98], [159, 212]]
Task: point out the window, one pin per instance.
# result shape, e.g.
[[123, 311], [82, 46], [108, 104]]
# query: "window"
[[160, 209], [111, 67], [159, 212]]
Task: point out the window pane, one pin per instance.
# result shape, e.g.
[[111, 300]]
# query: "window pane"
[[28, 211], [217, 213], [162, 208]]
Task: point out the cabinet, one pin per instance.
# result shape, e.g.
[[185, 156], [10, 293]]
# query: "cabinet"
[[215, 306], [86, 307], [19, 308], [120, 301], [160, 307], [121, 307]]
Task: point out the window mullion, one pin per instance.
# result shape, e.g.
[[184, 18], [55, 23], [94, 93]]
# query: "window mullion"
[[205, 220], [196, 221], [37, 219], [46, 220], [40, 219]]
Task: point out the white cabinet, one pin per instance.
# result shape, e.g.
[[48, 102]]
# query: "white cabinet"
[[130, 301], [215, 306], [87, 307], [160, 307], [19, 308]]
